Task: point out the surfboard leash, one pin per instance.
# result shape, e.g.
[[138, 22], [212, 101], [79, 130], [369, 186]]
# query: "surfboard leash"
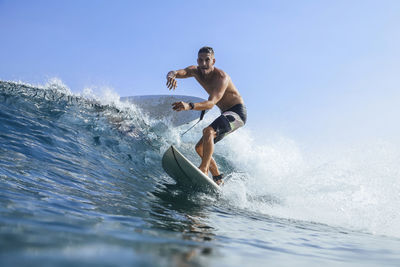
[[203, 112]]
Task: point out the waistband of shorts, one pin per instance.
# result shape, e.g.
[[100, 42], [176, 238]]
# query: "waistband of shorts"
[[239, 109]]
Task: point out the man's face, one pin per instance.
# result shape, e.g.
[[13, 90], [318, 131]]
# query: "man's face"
[[205, 62]]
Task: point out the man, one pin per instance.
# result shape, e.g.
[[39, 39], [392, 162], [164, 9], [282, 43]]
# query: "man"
[[223, 93]]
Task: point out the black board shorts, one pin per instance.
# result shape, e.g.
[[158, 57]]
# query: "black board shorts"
[[229, 121]]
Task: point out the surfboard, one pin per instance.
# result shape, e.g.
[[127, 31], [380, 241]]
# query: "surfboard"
[[159, 107], [186, 173]]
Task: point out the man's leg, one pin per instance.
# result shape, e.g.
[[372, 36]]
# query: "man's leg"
[[208, 148], [213, 165]]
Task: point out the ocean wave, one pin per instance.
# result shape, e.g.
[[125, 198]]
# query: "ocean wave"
[[103, 156]]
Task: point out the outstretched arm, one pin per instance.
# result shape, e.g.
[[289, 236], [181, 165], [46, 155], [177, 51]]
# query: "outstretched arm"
[[183, 73]]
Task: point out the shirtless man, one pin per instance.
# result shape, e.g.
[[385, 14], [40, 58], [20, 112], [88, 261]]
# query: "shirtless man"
[[223, 93]]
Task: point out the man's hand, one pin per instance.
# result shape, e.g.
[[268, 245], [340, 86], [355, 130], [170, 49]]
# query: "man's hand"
[[179, 106], [171, 81]]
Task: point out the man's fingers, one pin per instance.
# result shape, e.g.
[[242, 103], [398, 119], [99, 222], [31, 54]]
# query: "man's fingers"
[[175, 105], [173, 84], [178, 106], [169, 84]]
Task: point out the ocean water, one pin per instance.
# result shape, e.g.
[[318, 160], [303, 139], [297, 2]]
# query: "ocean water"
[[81, 184]]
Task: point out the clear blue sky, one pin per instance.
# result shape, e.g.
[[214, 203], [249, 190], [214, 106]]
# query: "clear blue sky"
[[305, 68]]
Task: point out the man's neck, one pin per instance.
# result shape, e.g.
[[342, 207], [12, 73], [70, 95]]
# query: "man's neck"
[[208, 76]]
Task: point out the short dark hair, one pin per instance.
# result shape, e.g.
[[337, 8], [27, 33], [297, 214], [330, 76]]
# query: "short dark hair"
[[206, 49]]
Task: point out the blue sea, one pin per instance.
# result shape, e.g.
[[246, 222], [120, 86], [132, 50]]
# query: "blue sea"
[[81, 184]]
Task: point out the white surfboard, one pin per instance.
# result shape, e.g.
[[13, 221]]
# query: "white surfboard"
[[159, 107], [186, 173]]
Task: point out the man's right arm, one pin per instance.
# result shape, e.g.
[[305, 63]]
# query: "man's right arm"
[[183, 73]]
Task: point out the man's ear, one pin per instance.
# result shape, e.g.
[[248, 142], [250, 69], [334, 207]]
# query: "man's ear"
[[213, 61]]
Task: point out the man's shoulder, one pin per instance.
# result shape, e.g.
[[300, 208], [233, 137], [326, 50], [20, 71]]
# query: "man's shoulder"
[[221, 74], [192, 69]]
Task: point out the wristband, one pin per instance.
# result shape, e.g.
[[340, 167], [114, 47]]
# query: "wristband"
[[191, 105]]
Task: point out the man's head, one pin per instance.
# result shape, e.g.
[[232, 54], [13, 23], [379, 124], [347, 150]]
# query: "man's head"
[[206, 59]]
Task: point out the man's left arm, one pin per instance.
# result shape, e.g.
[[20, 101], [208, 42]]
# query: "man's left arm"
[[214, 98]]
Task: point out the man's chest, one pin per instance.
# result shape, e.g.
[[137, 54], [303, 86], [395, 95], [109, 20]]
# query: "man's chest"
[[210, 85]]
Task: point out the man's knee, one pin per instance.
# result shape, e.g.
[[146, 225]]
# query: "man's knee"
[[209, 132], [199, 148]]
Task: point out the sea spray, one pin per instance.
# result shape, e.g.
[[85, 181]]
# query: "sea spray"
[[355, 187]]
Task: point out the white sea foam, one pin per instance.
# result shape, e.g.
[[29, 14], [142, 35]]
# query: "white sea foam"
[[355, 187]]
